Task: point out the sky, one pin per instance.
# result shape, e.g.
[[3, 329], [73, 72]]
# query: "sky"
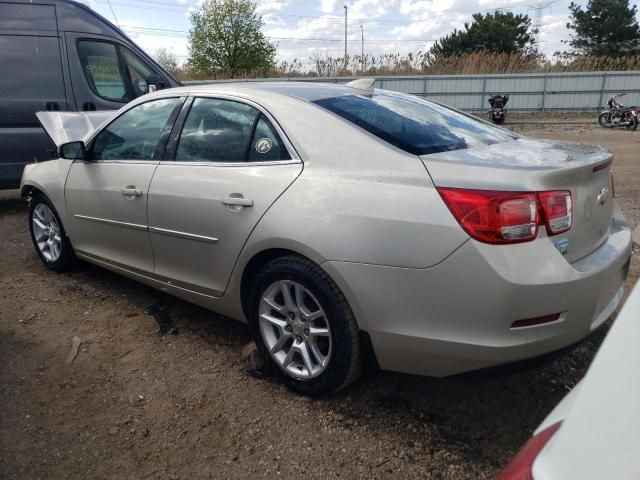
[[301, 28]]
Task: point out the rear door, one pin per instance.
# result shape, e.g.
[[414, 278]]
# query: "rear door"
[[31, 81], [227, 166], [106, 195]]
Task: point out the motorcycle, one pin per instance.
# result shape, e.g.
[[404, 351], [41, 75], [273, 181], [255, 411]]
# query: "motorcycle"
[[617, 115], [497, 113]]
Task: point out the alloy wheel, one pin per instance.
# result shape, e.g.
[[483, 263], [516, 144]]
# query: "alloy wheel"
[[295, 329], [46, 231]]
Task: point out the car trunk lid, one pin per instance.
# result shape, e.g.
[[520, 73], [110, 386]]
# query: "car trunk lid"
[[533, 165]]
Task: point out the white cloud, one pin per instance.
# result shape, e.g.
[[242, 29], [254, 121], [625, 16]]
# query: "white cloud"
[[331, 6]]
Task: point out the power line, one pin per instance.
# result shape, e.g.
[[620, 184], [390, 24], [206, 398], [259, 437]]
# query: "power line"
[[114, 14]]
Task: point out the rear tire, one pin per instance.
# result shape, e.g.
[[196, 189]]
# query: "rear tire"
[[634, 124], [313, 317], [48, 235]]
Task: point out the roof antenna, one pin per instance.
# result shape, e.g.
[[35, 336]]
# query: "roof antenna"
[[366, 84]]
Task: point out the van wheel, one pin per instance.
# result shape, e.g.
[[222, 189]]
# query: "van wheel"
[[304, 326], [48, 235]]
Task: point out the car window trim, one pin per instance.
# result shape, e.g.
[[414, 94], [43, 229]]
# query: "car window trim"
[[170, 154], [157, 156]]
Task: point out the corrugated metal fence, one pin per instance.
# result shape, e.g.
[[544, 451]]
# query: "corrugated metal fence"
[[530, 92]]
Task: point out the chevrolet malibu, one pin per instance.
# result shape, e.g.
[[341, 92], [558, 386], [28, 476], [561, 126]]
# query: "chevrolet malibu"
[[337, 220]]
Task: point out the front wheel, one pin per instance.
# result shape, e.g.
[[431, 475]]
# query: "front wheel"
[[303, 325], [48, 235], [604, 119]]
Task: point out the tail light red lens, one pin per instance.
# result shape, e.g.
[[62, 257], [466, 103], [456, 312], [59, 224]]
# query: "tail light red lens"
[[494, 217], [498, 217], [557, 211], [521, 467]]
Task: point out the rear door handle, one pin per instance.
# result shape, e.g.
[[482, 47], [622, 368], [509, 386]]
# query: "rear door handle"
[[131, 191], [237, 202]]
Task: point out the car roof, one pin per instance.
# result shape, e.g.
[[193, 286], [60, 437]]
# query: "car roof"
[[308, 91]]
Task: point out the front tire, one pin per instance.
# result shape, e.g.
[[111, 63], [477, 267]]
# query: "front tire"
[[304, 326], [48, 235], [604, 120]]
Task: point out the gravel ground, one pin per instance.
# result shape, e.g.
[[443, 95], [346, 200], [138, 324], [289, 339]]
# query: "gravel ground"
[[132, 405]]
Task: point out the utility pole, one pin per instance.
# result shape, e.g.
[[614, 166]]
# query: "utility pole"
[[538, 26], [345, 38], [362, 43]]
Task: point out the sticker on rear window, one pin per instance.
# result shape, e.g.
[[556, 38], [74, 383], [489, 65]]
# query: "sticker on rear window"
[[263, 145]]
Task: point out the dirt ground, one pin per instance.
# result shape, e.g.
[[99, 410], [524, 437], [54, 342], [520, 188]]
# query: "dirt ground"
[[134, 406]]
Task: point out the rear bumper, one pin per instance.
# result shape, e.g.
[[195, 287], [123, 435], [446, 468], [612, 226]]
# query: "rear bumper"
[[457, 315]]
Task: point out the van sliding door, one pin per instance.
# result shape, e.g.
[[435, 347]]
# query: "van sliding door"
[[31, 81]]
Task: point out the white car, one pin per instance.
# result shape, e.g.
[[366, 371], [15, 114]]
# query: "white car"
[[334, 217], [594, 432]]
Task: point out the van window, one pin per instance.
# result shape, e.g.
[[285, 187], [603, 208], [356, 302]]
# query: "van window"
[[140, 74], [101, 68]]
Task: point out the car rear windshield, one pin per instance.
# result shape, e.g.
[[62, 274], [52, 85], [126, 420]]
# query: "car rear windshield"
[[412, 124]]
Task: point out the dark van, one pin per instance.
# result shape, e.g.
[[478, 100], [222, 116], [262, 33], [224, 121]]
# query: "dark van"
[[61, 55]]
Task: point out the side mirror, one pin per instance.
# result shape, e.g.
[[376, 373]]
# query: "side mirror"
[[155, 82], [72, 151]]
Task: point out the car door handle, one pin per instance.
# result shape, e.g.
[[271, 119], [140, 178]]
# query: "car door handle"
[[237, 202], [131, 191]]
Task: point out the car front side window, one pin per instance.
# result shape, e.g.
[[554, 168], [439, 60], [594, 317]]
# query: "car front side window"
[[135, 134]]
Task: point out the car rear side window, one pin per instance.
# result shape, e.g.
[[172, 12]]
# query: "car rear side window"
[[101, 67], [135, 134], [219, 130], [266, 144], [413, 124]]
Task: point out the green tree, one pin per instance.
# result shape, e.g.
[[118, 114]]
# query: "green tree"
[[605, 27], [226, 36], [500, 32]]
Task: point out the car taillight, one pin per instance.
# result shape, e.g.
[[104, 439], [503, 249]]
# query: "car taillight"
[[494, 217], [557, 211], [521, 466], [498, 217]]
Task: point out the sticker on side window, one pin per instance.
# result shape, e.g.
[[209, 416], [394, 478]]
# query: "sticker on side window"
[[263, 145]]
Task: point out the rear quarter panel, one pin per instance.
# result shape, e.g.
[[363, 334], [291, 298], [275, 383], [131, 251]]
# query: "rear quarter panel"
[[358, 199]]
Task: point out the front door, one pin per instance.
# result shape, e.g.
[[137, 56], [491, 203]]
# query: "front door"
[[106, 194], [228, 166]]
